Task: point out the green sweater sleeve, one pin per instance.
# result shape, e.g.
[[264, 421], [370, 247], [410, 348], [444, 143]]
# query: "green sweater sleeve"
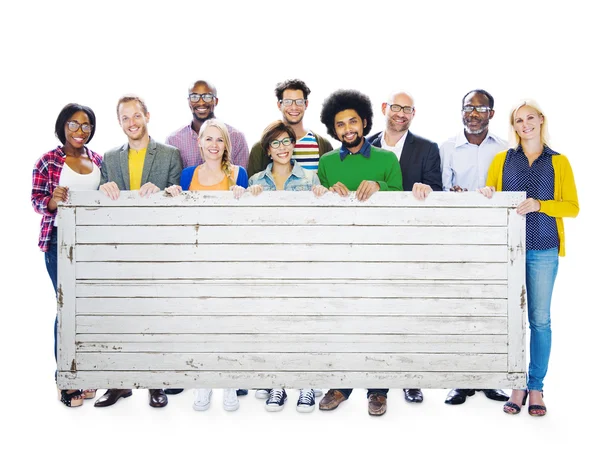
[[321, 174], [393, 177], [258, 161]]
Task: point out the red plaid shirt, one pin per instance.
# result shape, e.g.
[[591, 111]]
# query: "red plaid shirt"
[[46, 176]]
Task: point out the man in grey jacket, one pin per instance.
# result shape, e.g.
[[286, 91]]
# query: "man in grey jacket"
[[140, 164]]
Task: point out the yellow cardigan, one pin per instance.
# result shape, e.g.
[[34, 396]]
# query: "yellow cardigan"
[[565, 202]]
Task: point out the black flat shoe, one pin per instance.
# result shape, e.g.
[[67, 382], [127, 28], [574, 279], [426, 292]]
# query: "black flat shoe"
[[157, 398], [111, 396], [173, 391], [413, 395], [495, 394], [458, 396]]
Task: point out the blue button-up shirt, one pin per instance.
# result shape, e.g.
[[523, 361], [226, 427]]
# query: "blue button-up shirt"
[[365, 150]]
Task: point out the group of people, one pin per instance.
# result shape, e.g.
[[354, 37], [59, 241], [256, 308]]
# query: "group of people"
[[208, 154]]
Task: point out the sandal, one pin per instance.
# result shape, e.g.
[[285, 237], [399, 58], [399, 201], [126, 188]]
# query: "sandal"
[[512, 408], [537, 410], [89, 393], [68, 398]]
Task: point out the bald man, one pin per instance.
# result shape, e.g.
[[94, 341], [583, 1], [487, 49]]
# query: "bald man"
[[419, 161]]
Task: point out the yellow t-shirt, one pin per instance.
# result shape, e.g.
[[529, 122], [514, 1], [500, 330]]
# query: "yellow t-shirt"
[[136, 167]]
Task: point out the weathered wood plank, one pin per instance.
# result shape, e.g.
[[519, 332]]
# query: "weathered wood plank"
[[307, 289], [295, 199], [299, 343], [299, 252], [516, 306], [235, 324], [281, 361], [267, 215], [67, 258], [257, 234], [291, 306], [298, 270], [290, 379]]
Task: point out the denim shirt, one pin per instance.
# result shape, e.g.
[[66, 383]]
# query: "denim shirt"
[[299, 179]]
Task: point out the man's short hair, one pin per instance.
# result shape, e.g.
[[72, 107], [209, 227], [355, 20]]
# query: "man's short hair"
[[204, 83], [295, 84], [130, 98], [345, 99], [480, 91]]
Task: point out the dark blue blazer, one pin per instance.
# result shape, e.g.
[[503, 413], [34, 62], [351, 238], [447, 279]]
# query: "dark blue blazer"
[[419, 162]]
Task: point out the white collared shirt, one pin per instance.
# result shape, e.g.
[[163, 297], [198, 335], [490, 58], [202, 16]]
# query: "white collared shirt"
[[397, 148], [465, 164]]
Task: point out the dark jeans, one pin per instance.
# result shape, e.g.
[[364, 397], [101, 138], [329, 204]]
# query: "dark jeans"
[[347, 392], [52, 268]]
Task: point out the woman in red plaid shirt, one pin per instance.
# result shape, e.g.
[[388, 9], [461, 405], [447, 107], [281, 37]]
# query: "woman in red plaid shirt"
[[71, 166]]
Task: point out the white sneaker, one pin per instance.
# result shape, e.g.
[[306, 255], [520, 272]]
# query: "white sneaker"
[[230, 400], [306, 401], [262, 393], [318, 392], [202, 399]]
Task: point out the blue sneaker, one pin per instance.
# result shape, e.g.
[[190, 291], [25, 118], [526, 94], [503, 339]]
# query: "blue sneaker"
[[277, 398]]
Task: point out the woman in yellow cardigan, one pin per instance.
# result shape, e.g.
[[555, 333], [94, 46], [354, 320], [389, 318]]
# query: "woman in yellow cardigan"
[[547, 178]]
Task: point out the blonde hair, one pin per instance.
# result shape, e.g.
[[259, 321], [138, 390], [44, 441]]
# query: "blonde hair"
[[515, 140], [226, 165]]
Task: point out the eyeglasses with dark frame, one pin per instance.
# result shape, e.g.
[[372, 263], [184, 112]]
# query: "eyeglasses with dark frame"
[[206, 97], [481, 109], [289, 102], [73, 126], [407, 109], [278, 142]]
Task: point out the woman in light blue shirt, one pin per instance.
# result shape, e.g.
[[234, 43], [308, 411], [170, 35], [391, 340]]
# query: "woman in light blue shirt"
[[284, 173]]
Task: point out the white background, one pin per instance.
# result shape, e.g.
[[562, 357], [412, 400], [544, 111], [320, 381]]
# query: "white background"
[[56, 52]]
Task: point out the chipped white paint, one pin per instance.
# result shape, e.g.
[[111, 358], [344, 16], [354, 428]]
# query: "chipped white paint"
[[286, 289]]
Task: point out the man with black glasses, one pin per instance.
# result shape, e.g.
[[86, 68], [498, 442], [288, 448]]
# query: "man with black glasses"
[[292, 101], [466, 159], [202, 99], [419, 161]]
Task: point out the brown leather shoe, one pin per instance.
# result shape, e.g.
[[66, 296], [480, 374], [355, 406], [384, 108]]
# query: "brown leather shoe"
[[377, 404], [157, 397], [331, 400], [111, 396]]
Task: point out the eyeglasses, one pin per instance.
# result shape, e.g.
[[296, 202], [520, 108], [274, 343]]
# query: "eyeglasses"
[[74, 126], [481, 109], [407, 109], [206, 97], [277, 142], [288, 102]]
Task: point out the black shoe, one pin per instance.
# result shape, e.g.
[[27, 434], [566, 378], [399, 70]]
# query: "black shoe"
[[242, 392], [173, 391], [413, 395], [495, 394], [157, 398], [111, 396], [458, 396]]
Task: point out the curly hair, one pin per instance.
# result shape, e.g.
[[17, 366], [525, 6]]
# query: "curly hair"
[[226, 165], [344, 99], [295, 84]]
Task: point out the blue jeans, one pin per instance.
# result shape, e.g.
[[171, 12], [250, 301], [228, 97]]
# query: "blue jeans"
[[541, 267], [51, 258]]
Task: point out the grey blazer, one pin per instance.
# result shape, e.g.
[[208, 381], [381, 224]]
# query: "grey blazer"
[[162, 166]]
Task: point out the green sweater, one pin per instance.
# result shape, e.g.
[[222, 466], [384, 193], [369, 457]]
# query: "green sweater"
[[381, 167]]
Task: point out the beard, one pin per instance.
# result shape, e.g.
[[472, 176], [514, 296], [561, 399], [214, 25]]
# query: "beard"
[[357, 142], [397, 126], [210, 115], [482, 129]]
